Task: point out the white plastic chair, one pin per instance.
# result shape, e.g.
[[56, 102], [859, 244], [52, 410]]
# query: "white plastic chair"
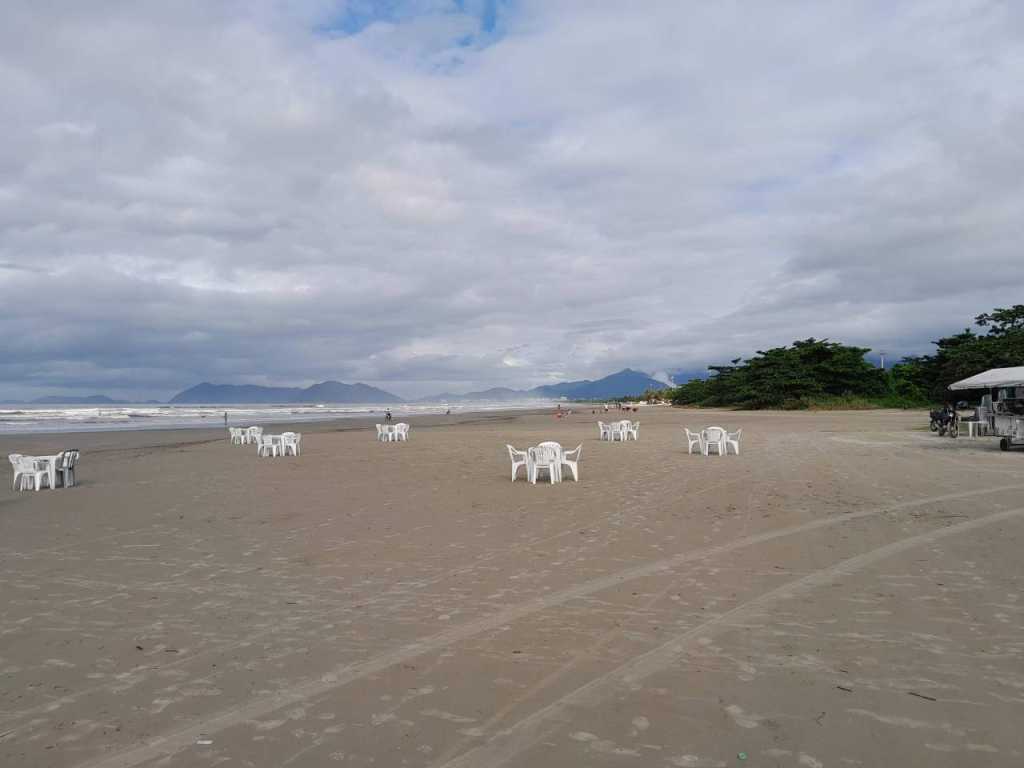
[[31, 472], [381, 433], [24, 472], [572, 460], [547, 456], [66, 466], [732, 440], [253, 434], [693, 439], [291, 441], [237, 438], [604, 431], [519, 459], [632, 429], [618, 430], [17, 467], [266, 446], [402, 431], [713, 436]]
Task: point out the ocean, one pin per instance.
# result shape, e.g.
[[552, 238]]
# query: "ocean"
[[26, 419]]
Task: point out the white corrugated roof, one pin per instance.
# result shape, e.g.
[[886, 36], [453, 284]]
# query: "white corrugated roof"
[[994, 377]]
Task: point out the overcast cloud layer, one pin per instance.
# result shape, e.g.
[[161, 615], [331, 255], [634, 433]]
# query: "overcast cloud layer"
[[434, 194]]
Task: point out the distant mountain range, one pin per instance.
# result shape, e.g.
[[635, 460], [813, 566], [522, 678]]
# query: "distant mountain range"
[[324, 392], [625, 383]]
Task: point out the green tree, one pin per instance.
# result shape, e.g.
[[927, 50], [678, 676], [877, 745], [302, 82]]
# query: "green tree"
[[967, 353]]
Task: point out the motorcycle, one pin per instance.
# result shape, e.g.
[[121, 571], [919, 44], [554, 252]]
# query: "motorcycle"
[[945, 422]]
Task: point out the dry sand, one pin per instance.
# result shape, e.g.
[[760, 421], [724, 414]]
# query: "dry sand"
[[847, 592]]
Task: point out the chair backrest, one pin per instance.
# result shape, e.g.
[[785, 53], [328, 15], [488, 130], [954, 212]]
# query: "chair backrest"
[[714, 434], [547, 452]]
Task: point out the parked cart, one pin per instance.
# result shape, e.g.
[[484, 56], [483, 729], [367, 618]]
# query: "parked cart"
[[1001, 412]]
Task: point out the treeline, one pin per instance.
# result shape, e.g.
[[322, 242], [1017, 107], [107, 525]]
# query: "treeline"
[[817, 373], [1000, 345]]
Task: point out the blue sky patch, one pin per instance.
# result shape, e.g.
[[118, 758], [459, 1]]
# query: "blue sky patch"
[[360, 14]]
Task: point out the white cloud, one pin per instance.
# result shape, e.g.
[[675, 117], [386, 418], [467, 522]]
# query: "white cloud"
[[235, 192]]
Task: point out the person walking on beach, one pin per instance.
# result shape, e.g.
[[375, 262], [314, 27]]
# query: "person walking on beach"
[[387, 415], [225, 418]]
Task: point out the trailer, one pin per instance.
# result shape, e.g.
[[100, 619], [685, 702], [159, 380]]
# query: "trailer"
[[1002, 407]]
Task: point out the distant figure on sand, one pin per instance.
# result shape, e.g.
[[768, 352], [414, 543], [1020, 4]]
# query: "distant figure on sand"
[[387, 415], [225, 418]]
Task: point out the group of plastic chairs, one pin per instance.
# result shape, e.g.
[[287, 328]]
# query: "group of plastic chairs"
[[31, 472], [279, 445], [713, 437], [619, 430], [549, 457], [267, 445], [392, 433], [245, 435]]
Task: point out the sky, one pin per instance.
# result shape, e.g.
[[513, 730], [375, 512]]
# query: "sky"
[[430, 195]]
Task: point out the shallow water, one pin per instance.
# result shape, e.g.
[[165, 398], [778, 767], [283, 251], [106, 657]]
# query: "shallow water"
[[24, 419]]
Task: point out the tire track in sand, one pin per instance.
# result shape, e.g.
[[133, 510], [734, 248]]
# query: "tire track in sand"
[[539, 725], [175, 741]]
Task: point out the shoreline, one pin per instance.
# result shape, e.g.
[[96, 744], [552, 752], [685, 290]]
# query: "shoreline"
[[101, 440], [244, 415]]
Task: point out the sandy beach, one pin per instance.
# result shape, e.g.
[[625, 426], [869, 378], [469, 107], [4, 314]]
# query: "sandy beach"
[[846, 592]]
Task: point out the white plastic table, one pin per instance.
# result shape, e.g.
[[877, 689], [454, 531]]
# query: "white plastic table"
[[975, 428]]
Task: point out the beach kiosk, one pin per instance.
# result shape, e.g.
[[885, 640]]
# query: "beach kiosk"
[[1002, 407]]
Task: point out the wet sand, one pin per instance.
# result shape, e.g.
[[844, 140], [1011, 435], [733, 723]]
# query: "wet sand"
[[848, 591]]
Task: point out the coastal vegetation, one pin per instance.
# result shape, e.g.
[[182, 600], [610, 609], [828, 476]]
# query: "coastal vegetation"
[[827, 375]]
